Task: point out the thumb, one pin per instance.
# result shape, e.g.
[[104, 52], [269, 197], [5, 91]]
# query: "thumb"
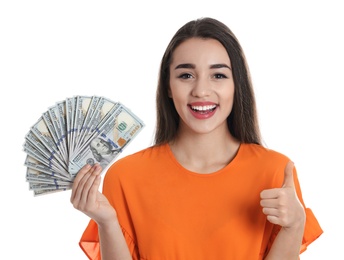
[[288, 175]]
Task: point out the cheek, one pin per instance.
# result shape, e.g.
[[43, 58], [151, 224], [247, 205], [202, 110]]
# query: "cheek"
[[229, 98], [174, 90], [228, 93], [170, 88], [178, 101]]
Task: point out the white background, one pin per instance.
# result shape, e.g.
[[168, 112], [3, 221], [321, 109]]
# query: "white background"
[[50, 50]]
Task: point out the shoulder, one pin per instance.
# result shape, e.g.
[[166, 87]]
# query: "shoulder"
[[263, 158], [149, 153], [138, 161], [256, 151], [268, 163]]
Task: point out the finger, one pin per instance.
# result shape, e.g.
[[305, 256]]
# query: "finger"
[[270, 193], [80, 188], [271, 212], [288, 175], [273, 219], [269, 203], [78, 193], [91, 185], [92, 195], [84, 170]]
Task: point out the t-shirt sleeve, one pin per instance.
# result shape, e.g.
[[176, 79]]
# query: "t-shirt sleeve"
[[312, 228], [311, 233], [89, 241]]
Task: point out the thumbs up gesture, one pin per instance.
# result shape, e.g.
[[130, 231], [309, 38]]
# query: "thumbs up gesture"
[[281, 205]]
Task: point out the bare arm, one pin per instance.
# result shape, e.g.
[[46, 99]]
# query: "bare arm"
[[282, 207], [87, 198], [112, 243], [287, 244]]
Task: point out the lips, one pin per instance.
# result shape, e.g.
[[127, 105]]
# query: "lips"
[[203, 110]]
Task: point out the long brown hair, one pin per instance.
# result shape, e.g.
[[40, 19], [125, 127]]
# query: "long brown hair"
[[242, 121]]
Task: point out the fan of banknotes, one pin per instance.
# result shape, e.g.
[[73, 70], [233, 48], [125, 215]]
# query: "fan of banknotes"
[[72, 133]]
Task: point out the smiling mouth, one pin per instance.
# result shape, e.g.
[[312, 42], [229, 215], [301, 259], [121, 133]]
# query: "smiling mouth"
[[203, 109]]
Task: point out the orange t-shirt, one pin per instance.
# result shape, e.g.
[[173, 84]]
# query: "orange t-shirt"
[[168, 212]]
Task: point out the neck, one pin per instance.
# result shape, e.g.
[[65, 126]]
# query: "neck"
[[204, 153]]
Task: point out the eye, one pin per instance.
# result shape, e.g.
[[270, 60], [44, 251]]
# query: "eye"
[[220, 76], [185, 76]]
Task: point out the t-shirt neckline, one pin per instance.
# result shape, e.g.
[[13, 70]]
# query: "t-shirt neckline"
[[205, 175]]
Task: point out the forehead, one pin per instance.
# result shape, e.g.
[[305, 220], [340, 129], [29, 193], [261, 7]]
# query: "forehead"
[[199, 49]]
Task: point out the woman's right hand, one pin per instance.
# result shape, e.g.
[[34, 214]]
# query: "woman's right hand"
[[87, 198]]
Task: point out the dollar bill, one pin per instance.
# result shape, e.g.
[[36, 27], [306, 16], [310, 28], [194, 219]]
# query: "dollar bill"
[[48, 186], [61, 116], [37, 193], [55, 119], [36, 177], [70, 111], [34, 150], [98, 110], [50, 163], [41, 181], [32, 163], [71, 133], [81, 109], [119, 128], [44, 137]]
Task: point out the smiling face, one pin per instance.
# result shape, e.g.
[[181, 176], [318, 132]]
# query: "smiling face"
[[201, 85]]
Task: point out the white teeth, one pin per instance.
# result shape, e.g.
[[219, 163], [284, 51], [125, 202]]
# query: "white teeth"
[[203, 108]]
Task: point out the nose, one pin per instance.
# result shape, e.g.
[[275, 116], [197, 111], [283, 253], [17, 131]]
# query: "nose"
[[202, 88]]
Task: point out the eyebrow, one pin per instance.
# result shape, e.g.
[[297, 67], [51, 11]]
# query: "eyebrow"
[[192, 66]]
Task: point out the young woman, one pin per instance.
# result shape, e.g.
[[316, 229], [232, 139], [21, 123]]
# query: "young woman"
[[207, 189]]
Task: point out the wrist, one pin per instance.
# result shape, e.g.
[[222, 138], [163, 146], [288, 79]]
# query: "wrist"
[[107, 223]]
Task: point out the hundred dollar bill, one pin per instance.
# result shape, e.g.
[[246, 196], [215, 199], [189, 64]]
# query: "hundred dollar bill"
[[50, 126], [98, 115], [55, 119], [61, 115], [36, 177], [41, 131], [37, 193], [119, 128], [52, 182], [88, 106], [50, 163], [71, 133], [32, 140], [34, 164], [46, 190], [104, 110], [81, 108], [46, 186], [101, 120], [41, 181], [70, 111]]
